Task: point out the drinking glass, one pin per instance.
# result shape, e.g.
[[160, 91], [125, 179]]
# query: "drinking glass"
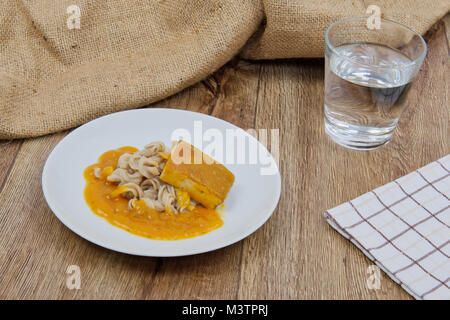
[[368, 74]]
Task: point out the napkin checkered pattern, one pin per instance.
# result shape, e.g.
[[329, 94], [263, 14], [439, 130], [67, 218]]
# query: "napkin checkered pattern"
[[403, 227]]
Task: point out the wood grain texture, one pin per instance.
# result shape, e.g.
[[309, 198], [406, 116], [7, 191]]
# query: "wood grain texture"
[[8, 150], [295, 255]]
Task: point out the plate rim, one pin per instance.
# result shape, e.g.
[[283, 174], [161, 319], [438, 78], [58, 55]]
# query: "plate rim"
[[87, 237]]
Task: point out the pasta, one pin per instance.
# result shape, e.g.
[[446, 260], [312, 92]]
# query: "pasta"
[[123, 176], [137, 175]]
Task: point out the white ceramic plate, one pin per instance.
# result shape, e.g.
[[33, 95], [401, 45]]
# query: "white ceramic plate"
[[250, 202]]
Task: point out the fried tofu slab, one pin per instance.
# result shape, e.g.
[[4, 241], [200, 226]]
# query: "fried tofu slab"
[[207, 181]]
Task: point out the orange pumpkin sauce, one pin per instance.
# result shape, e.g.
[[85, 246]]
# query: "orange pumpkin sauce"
[[142, 220]]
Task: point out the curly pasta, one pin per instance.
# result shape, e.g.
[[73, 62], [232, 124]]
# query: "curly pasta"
[[137, 175]]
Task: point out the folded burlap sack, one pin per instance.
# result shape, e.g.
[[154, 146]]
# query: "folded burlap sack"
[[65, 62]]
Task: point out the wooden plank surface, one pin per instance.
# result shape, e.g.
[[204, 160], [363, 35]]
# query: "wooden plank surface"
[[295, 255]]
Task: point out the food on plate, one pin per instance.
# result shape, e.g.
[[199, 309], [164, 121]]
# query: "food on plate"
[[149, 193], [204, 179]]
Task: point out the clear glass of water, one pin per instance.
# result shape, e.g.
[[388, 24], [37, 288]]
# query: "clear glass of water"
[[368, 74]]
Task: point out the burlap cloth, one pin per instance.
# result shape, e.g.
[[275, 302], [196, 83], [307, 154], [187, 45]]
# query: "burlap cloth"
[[130, 53]]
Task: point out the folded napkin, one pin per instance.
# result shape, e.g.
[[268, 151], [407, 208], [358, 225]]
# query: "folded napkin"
[[403, 227]]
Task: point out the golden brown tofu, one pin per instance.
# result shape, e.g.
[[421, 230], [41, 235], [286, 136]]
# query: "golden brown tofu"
[[189, 169]]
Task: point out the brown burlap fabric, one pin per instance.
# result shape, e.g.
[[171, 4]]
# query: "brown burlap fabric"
[[127, 54]]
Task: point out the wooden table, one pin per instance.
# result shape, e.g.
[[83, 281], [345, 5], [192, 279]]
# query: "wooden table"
[[295, 255]]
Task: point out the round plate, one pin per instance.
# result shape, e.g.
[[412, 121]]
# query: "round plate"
[[250, 202]]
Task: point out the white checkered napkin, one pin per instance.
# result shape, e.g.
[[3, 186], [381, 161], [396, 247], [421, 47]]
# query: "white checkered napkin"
[[403, 227]]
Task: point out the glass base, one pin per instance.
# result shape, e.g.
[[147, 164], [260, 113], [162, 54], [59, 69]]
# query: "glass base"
[[357, 137]]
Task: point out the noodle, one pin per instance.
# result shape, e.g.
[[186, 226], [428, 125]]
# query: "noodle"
[[137, 175]]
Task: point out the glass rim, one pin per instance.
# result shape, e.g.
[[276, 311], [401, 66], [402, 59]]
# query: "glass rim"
[[412, 63]]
